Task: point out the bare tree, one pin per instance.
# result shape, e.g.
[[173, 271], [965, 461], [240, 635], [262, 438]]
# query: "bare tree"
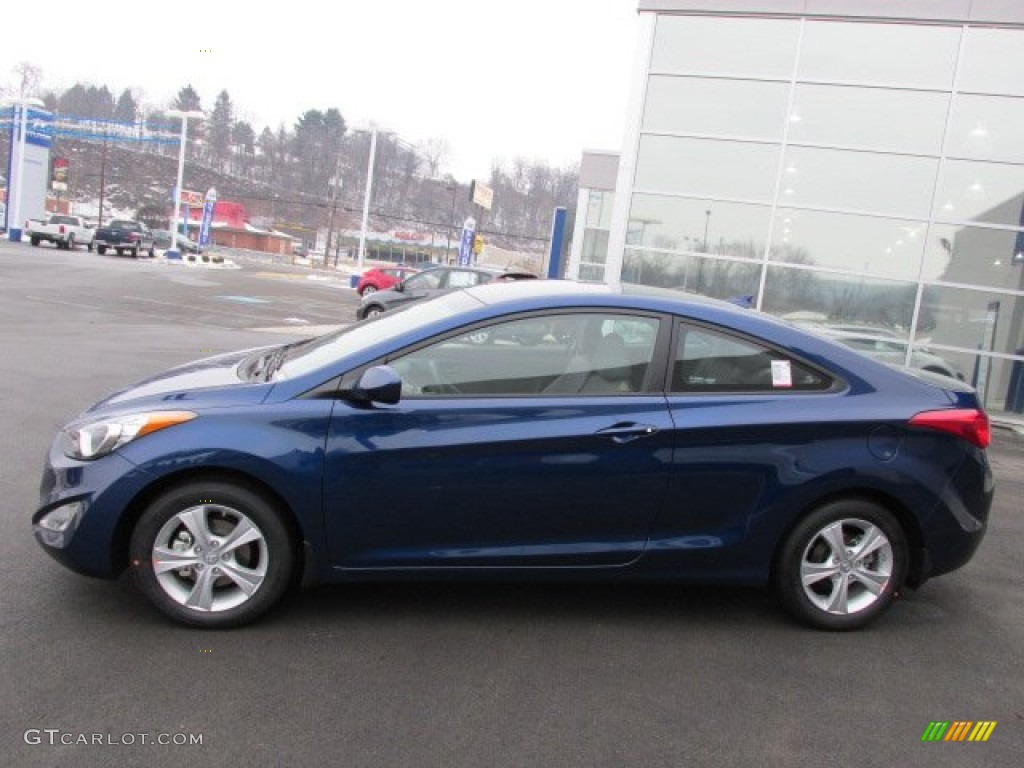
[[435, 153], [30, 77]]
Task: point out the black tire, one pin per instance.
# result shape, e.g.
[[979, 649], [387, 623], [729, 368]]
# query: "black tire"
[[824, 548], [152, 252], [70, 244], [89, 247], [101, 249], [120, 251], [134, 253], [34, 240], [265, 563]]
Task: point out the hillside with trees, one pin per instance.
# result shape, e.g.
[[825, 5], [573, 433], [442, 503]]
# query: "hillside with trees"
[[298, 178]]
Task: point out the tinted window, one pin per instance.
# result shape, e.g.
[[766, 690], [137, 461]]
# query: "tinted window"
[[709, 361], [552, 355], [465, 279], [425, 281]]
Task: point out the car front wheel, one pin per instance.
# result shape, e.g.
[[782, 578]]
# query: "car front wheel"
[[212, 554], [842, 565]]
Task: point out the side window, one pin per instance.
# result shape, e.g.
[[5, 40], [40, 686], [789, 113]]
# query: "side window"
[[709, 361], [425, 281], [540, 355], [457, 279]]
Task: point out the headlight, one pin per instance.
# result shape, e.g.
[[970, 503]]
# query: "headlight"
[[94, 439]]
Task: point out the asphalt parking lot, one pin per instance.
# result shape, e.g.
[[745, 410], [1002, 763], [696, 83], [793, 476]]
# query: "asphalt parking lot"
[[439, 674]]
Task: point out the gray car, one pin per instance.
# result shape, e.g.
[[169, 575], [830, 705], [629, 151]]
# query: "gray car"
[[432, 282], [883, 344]]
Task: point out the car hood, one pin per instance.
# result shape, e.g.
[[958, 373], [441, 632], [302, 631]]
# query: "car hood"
[[211, 381]]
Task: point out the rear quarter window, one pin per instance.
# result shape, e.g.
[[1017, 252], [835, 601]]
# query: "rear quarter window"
[[706, 360]]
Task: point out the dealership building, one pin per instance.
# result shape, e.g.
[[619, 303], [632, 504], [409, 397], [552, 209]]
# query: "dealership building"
[[854, 165]]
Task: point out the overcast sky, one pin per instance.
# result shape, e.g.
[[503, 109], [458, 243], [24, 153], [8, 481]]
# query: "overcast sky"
[[541, 79]]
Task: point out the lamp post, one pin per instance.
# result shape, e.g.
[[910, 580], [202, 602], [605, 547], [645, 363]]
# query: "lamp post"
[[366, 199], [184, 115], [453, 188], [14, 191]]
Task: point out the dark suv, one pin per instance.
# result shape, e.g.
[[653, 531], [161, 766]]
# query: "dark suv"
[[431, 282]]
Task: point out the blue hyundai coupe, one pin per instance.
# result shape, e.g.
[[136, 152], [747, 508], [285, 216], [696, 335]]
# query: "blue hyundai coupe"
[[526, 430]]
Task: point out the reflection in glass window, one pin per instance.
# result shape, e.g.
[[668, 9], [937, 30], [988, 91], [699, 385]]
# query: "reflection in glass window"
[[982, 192], [987, 128], [698, 225], [707, 45], [706, 167], [741, 108], [718, 278], [594, 254], [873, 118], [976, 256], [893, 54], [709, 361], [993, 62], [553, 355], [805, 296], [599, 208], [999, 382], [990, 322], [885, 247], [894, 185]]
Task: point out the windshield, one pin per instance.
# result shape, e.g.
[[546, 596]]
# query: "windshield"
[[363, 335]]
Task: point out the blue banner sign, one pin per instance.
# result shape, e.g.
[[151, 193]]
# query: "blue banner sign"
[[208, 205], [38, 125], [44, 126], [466, 244]]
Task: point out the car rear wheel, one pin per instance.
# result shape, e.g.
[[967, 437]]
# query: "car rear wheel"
[[842, 565], [212, 554], [101, 249]]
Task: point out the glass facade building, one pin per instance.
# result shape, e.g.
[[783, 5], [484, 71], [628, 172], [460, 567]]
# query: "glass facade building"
[[862, 173]]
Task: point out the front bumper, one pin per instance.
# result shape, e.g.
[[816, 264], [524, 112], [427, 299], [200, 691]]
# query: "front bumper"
[[81, 506]]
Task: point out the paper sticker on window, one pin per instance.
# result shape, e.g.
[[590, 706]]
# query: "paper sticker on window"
[[782, 373]]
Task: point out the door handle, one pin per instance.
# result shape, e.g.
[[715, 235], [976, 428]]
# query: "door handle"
[[625, 432]]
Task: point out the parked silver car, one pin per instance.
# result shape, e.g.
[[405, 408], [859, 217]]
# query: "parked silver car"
[[886, 345]]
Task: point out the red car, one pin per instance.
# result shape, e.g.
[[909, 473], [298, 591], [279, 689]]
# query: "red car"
[[381, 278]]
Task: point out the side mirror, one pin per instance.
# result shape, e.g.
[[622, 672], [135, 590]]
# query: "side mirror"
[[380, 384]]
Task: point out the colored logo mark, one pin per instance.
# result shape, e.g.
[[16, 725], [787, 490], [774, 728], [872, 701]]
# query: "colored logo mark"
[[959, 730]]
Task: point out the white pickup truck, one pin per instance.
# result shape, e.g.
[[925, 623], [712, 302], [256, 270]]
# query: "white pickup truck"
[[65, 230]]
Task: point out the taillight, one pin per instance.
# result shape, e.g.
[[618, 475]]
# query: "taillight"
[[62, 230], [969, 423]]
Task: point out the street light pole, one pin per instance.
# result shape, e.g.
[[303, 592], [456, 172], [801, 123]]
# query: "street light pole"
[[184, 115], [366, 199], [15, 190], [451, 218]]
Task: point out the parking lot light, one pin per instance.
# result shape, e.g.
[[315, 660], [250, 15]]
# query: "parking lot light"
[[175, 212]]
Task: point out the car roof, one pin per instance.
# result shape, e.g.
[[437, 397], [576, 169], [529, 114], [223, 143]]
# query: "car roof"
[[495, 293]]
